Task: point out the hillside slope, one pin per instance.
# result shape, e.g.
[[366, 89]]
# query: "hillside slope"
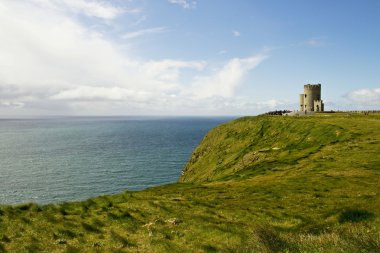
[[256, 184], [251, 146]]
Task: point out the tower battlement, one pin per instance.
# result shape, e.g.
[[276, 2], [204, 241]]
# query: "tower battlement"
[[312, 86]]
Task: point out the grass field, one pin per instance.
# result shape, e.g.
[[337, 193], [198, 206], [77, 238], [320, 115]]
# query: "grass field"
[[256, 184]]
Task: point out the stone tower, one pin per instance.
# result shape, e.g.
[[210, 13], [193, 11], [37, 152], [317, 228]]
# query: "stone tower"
[[311, 99]]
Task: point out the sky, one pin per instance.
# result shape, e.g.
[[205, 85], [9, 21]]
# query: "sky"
[[186, 57]]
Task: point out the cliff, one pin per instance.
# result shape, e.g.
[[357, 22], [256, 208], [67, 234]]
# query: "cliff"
[[260, 145]]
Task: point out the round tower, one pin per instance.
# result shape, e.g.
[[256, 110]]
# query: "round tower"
[[312, 92], [302, 104]]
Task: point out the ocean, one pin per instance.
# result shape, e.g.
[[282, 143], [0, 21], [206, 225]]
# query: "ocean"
[[56, 159]]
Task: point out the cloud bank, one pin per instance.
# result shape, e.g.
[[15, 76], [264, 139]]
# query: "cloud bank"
[[224, 82], [366, 97], [99, 9], [51, 62]]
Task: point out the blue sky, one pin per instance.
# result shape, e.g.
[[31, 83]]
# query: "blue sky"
[[185, 57]]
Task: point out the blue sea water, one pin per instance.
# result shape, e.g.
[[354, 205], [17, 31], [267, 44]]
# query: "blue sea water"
[[51, 160]]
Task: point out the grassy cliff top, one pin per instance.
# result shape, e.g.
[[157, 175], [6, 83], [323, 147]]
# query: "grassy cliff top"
[[256, 184], [263, 145]]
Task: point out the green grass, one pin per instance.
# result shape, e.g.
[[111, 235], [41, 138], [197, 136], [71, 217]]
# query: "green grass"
[[256, 184]]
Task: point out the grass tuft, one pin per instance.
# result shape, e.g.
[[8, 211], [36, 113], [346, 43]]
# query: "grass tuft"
[[2, 248], [67, 233], [121, 239], [90, 228], [209, 248], [5, 239], [73, 249], [269, 239], [355, 215], [363, 240]]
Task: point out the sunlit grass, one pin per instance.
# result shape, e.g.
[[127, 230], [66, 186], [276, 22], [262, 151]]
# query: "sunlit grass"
[[257, 184]]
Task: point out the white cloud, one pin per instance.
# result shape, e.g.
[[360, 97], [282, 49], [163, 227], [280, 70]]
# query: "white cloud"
[[272, 104], [186, 4], [236, 33], [44, 48], [365, 96], [89, 93], [13, 104], [51, 62], [43, 52], [169, 70], [315, 42], [224, 82], [140, 20], [237, 105], [92, 8], [143, 32]]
